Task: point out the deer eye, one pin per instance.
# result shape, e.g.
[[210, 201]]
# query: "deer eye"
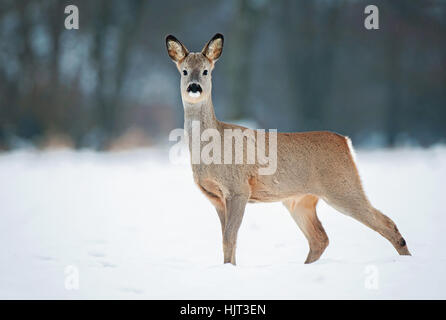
[[205, 72], [185, 72]]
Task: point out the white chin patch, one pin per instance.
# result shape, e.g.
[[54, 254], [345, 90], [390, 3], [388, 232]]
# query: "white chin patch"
[[194, 94]]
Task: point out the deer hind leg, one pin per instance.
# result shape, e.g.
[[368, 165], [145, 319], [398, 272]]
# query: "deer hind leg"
[[303, 211], [355, 204]]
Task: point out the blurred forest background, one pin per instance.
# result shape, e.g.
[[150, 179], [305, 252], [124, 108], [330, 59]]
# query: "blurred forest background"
[[291, 65]]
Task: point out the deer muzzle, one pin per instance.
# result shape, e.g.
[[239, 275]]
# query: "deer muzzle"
[[194, 90]]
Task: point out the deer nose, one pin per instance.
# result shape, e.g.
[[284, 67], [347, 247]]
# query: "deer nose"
[[194, 87]]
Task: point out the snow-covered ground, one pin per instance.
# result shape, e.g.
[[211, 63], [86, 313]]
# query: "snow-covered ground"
[[133, 225]]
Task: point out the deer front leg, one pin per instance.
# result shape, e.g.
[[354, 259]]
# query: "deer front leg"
[[235, 208], [222, 216], [219, 203]]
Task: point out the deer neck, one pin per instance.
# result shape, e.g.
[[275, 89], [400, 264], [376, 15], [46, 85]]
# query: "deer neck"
[[203, 112]]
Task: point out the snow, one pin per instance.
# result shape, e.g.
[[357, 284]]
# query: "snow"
[[132, 225]]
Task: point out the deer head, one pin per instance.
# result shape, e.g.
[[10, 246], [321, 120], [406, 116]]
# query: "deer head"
[[195, 67]]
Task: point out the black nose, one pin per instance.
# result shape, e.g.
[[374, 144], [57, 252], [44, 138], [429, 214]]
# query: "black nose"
[[194, 88]]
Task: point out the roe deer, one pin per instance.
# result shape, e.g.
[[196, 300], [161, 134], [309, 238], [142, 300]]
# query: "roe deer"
[[310, 166]]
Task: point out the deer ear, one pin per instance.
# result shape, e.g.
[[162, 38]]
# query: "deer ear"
[[176, 50], [212, 50]]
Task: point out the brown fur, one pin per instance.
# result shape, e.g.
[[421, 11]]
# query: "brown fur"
[[310, 166]]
